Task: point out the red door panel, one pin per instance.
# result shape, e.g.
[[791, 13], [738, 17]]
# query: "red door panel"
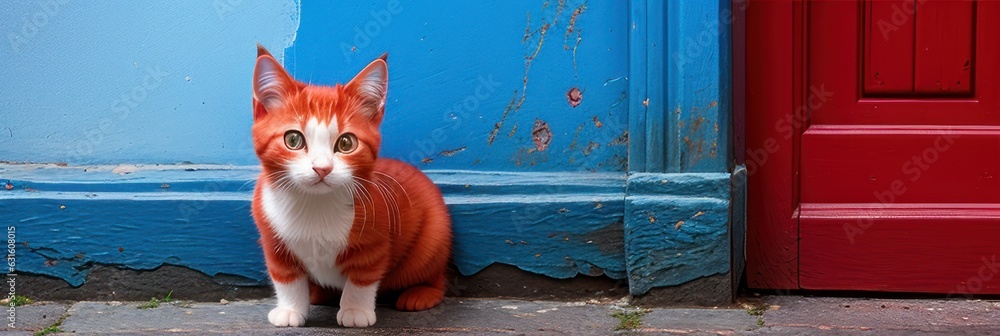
[[944, 44], [889, 48], [900, 164], [948, 249]]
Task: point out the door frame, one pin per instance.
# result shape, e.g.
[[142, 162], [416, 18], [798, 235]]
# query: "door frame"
[[774, 74]]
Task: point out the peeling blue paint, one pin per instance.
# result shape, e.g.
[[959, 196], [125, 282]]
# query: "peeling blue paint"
[[673, 238], [677, 212], [69, 220]]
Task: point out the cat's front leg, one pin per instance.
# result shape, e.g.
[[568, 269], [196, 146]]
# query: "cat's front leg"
[[357, 305], [293, 303]]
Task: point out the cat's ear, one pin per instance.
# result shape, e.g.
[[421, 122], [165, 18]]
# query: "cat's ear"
[[271, 84], [371, 84]]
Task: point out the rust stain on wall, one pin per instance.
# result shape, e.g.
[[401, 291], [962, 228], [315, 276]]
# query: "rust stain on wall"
[[528, 156], [448, 152], [519, 97], [452, 152], [576, 136], [499, 124], [571, 28], [696, 125], [621, 140], [694, 140], [572, 145], [590, 148]]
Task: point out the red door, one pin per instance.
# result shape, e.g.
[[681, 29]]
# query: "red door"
[[873, 143]]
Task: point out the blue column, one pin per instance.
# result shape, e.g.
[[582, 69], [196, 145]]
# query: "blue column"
[[677, 220]]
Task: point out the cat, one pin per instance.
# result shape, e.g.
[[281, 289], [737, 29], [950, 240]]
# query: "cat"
[[332, 215]]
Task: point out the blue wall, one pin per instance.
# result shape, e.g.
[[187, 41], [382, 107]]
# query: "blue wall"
[[117, 81], [155, 82], [454, 72]]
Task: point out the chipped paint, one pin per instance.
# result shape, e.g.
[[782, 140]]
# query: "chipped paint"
[[597, 122], [694, 140], [591, 146], [574, 96], [452, 152], [528, 59], [620, 140], [447, 152], [541, 134]]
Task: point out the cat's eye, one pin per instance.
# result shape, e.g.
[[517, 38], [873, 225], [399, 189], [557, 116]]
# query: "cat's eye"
[[294, 140], [347, 143]]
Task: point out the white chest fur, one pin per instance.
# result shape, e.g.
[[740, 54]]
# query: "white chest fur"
[[314, 227]]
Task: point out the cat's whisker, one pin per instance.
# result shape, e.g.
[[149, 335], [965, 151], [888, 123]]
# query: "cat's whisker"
[[364, 206], [395, 205], [387, 199], [367, 194], [245, 184], [408, 201]]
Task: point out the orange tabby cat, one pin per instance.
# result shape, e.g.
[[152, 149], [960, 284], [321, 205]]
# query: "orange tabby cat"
[[332, 215]]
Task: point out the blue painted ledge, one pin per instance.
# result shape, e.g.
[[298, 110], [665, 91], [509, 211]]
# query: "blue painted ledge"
[[69, 219], [676, 228]]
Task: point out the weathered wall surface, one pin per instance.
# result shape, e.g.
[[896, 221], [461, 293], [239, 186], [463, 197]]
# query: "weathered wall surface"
[[109, 82]]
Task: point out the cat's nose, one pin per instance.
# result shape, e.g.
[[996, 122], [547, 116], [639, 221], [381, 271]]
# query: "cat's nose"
[[322, 171]]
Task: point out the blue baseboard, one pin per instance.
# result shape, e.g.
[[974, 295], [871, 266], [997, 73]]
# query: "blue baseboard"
[[676, 228], [68, 219]]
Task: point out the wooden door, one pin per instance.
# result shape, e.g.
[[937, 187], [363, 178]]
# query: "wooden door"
[[891, 129]]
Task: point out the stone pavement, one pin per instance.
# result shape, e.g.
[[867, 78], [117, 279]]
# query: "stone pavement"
[[782, 315]]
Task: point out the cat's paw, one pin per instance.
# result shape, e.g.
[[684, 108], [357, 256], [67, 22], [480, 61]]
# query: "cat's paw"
[[286, 317], [355, 318], [419, 298]]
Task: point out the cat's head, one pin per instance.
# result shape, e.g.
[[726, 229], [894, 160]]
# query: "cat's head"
[[316, 139]]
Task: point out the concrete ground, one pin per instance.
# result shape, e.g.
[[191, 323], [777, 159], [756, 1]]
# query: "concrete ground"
[[782, 315]]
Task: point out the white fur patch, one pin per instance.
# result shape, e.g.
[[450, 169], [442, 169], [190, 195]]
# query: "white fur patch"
[[314, 228], [357, 305], [293, 304]]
